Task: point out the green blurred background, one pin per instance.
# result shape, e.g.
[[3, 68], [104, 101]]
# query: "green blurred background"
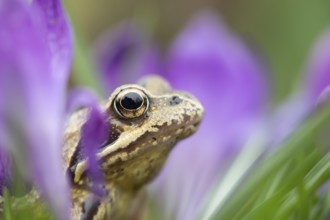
[[283, 30]]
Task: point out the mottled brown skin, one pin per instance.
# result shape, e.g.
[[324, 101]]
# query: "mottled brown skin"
[[136, 150]]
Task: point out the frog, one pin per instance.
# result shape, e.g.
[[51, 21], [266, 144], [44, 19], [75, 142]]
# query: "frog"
[[146, 120]]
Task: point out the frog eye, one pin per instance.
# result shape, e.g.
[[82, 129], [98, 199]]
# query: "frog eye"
[[131, 103]]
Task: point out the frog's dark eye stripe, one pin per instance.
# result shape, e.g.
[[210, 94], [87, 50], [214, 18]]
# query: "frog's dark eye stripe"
[[131, 103]]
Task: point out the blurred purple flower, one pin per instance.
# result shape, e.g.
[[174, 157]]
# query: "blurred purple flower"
[[318, 69], [5, 168], [219, 70], [314, 92], [132, 56], [35, 58], [210, 62]]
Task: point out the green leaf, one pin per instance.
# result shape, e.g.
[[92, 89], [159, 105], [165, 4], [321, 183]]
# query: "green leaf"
[[7, 210], [300, 150]]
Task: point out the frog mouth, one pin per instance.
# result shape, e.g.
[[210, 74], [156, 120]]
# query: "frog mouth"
[[175, 133], [189, 128]]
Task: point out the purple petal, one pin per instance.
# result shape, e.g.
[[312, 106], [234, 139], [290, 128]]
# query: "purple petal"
[[81, 97], [58, 34], [5, 169], [315, 92], [94, 132], [213, 64], [318, 70], [124, 55], [324, 97], [33, 77]]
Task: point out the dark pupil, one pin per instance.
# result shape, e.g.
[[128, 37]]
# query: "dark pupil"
[[131, 101]]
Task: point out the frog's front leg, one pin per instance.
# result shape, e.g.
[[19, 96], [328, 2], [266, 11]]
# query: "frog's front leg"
[[111, 203], [92, 208], [87, 205]]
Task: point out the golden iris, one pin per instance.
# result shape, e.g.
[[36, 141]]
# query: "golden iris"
[[131, 103]]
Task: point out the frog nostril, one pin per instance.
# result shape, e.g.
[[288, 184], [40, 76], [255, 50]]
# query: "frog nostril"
[[175, 100]]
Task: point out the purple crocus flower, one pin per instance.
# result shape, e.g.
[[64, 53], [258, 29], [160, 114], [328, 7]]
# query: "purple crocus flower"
[[313, 92], [209, 61], [132, 57], [318, 69], [35, 58], [213, 64]]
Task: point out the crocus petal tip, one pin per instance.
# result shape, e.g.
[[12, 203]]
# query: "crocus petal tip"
[[318, 67]]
